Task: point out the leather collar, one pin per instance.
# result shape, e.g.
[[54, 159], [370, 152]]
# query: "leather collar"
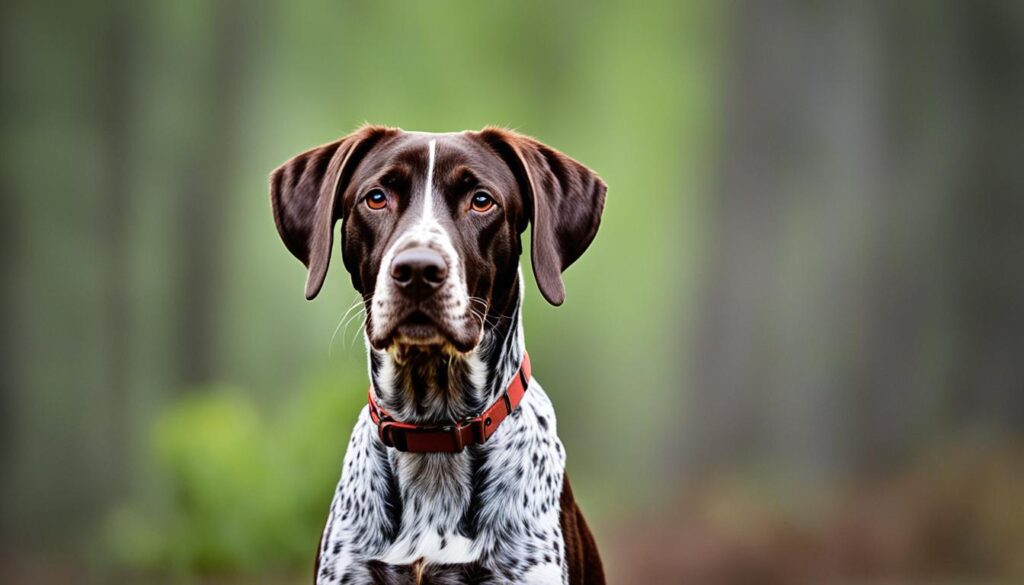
[[454, 437]]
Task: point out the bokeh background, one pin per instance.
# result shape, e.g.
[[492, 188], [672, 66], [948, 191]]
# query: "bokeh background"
[[794, 354]]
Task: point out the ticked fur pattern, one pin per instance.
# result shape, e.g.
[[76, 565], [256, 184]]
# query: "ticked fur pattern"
[[489, 514]]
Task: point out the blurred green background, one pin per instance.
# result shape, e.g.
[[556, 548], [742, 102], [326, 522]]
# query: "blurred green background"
[[798, 336]]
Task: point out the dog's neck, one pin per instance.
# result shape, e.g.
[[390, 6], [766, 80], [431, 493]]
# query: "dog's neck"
[[430, 386]]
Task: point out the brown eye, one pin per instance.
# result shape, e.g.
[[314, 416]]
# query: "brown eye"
[[481, 202], [376, 199]]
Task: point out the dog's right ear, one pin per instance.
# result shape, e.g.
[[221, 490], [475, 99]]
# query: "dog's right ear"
[[304, 195]]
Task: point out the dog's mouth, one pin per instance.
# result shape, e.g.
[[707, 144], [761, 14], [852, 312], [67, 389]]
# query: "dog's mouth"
[[419, 328]]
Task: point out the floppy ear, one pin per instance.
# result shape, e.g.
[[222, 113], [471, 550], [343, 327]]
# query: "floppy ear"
[[304, 192], [563, 199]]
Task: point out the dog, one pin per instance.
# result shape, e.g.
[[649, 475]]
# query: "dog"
[[454, 472]]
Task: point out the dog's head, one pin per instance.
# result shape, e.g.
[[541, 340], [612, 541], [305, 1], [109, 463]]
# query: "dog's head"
[[432, 225]]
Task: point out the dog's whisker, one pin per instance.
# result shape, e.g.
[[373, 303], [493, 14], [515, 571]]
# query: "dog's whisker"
[[330, 345], [361, 327], [353, 317], [483, 313], [358, 328], [481, 302], [483, 319]]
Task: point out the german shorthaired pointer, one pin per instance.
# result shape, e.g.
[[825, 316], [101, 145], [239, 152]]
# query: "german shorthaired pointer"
[[454, 472]]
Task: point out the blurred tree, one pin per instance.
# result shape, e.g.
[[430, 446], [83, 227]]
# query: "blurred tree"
[[865, 280], [987, 214], [800, 179], [116, 63], [216, 86]]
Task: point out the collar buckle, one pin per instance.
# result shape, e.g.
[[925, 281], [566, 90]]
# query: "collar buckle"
[[386, 431], [456, 433], [476, 428]]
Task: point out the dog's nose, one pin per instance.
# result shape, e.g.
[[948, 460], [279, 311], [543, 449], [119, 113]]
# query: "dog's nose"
[[418, 272]]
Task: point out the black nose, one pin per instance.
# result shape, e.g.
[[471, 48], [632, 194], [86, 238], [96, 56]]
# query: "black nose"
[[418, 272]]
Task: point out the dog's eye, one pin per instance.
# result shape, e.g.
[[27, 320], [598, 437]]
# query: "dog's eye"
[[376, 199], [481, 202]]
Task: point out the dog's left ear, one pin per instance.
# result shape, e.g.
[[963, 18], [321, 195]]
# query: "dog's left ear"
[[563, 200], [304, 195]]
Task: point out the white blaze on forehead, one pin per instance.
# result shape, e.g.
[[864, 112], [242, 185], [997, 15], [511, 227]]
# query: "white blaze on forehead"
[[428, 190], [427, 231]]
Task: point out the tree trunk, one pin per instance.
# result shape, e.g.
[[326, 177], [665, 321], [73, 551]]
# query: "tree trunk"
[[203, 194]]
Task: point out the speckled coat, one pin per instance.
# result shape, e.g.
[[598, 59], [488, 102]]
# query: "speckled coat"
[[501, 512]]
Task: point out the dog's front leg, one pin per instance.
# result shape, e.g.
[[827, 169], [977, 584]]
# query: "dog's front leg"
[[338, 561], [364, 517]]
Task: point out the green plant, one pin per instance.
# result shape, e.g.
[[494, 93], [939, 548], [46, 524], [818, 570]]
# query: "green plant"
[[246, 491]]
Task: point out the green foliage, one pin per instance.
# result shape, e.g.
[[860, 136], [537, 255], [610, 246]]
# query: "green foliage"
[[247, 490]]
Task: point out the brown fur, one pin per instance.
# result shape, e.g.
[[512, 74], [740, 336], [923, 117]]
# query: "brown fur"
[[581, 554]]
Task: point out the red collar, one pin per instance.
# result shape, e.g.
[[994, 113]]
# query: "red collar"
[[454, 437]]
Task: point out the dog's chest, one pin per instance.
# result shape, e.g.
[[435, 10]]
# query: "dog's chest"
[[495, 505], [436, 494]]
